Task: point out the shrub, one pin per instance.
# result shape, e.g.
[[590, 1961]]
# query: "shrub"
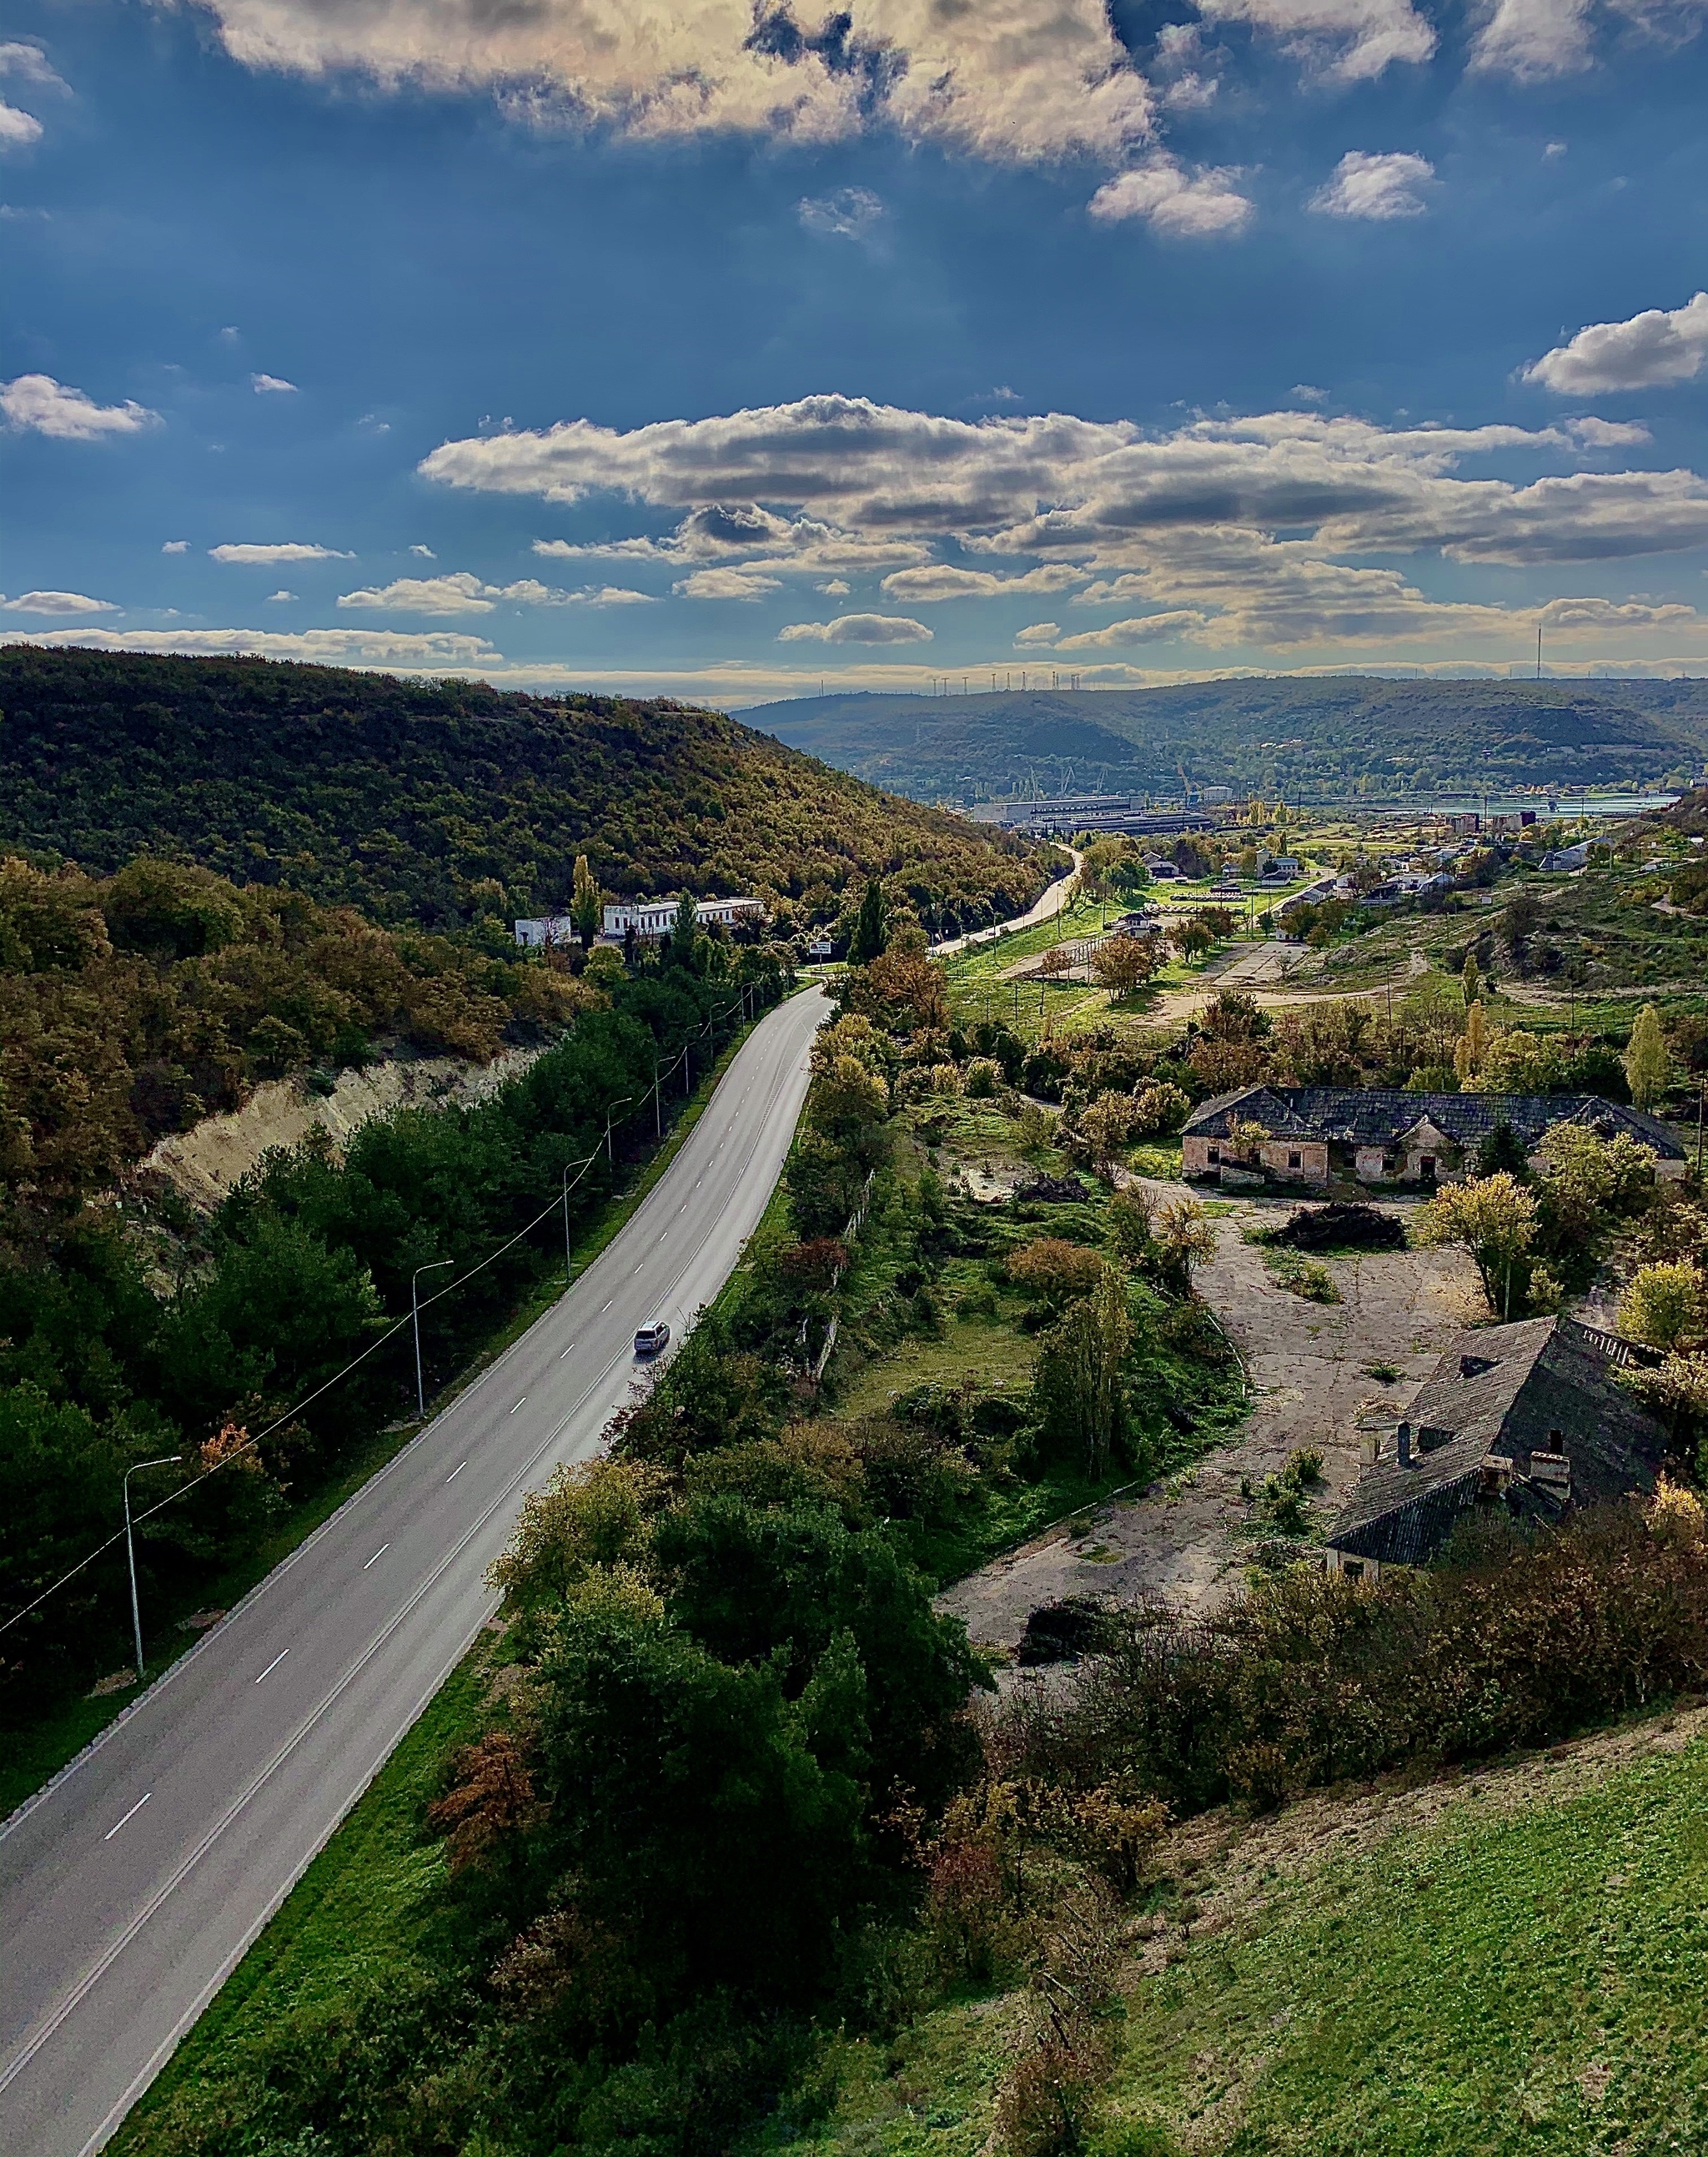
[[1054, 1271], [1160, 1110], [1347, 1679]]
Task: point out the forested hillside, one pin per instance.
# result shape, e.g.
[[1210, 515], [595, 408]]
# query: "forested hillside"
[[446, 805], [132, 1006], [1306, 738]]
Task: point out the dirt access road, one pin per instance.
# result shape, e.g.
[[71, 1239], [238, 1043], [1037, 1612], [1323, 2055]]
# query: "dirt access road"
[[1307, 1366]]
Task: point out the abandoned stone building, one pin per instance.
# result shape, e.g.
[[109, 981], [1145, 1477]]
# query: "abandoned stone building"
[[1311, 1134], [1527, 1418]]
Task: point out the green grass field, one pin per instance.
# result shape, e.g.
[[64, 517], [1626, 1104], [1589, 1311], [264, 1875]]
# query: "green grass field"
[[1498, 1979], [978, 988]]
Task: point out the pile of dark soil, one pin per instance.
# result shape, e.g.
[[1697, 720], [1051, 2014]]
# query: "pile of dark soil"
[[1052, 1190], [1341, 1227], [1063, 1632]]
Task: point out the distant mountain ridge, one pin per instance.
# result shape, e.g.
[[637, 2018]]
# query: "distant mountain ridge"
[[443, 803], [1331, 736]]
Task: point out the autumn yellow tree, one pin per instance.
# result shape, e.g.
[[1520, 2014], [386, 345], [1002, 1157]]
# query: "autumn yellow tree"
[[1648, 1066], [1493, 1217]]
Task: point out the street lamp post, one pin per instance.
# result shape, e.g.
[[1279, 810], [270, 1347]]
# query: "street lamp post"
[[165, 1460], [415, 1314], [627, 1101]]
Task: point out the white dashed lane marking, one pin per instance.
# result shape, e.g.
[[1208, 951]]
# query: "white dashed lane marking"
[[130, 1815]]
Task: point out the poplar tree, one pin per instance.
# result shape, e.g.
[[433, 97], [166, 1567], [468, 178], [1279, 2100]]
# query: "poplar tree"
[[586, 906], [1648, 1066], [871, 929], [686, 933]]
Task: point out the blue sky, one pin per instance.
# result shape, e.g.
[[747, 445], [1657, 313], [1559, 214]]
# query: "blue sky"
[[1368, 329]]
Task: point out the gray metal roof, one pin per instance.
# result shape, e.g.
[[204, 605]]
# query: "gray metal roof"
[[1542, 1385], [1381, 1115]]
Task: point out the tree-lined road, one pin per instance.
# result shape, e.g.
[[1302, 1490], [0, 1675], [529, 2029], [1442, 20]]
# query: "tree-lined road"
[[131, 1885], [1046, 907]]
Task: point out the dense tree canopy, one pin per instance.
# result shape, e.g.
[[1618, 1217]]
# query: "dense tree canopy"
[[448, 803], [133, 1004]]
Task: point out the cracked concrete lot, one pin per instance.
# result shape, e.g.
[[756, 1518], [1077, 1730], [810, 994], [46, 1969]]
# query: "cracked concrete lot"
[[1307, 1367]]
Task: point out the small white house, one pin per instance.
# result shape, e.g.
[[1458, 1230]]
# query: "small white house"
[[556, 929]]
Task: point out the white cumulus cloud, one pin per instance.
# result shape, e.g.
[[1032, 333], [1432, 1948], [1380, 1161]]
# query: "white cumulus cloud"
[[29, 63], [1006, 80], [35, 403], [426, 553], [1246, 534], [1203, 205], [848, 213], [1595, 613], [1345, 40], [18, 130], [1608, 433], [265, 385], [939, 581], [726, 584], [459, 592], [1533, 40], [1378, 185], [1649, 352], [58, 603], [857, 629], [279, 597], [272, 554], [176, 546], [1140, 629]]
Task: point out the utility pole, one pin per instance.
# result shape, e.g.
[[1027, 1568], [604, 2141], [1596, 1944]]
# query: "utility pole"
[[165, 1460], [568, 1166], [627, 1102], [416, 1300]]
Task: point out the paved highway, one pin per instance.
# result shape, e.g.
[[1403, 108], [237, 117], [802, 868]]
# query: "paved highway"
[[131, 1885]]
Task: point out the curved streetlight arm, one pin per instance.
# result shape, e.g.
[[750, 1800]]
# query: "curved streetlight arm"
[[569, 1263], [627, 1102], [136, 1467], [436, 1266]]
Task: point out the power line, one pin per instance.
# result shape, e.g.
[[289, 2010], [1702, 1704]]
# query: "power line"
[[325, 1386]]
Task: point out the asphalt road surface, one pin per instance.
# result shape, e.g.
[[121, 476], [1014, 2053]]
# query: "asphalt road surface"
[[132, 1885]]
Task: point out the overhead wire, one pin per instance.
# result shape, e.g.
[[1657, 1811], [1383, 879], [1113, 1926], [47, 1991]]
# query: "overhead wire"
[[289, 1415]]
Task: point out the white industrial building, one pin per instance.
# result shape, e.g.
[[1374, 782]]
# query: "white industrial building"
[[646, 917], [656, 917]]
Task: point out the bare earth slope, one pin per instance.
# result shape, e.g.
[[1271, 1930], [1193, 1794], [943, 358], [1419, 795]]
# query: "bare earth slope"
[[1307, 1367]]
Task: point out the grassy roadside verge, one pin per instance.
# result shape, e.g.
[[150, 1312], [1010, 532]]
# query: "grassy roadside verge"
[[32, 1757]]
